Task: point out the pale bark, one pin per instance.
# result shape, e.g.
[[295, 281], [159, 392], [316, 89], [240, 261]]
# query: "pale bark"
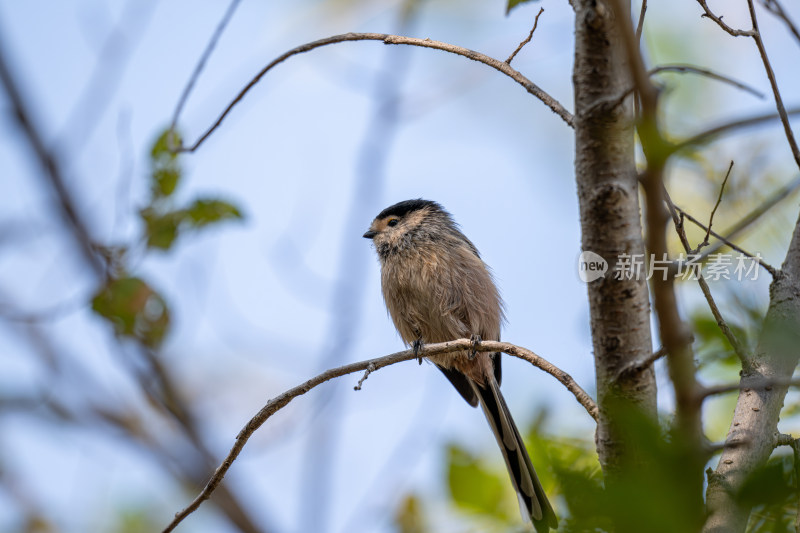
[[755, 418], [610, 220]]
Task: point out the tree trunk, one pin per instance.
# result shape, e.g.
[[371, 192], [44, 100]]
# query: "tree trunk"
[[755, 420], [610, 221]]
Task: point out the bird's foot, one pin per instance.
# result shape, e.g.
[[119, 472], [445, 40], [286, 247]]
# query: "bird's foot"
[[417, 346], [476, 343]]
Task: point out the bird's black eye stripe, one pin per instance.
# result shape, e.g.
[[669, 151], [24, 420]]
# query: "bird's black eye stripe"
[[393, 222]]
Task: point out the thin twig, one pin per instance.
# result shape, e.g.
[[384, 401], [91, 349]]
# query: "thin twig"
[[640, 25], [714, 210], [639, 366], [769, 268], [370, 369], [528, 39], [501, 66], [709, 14], [738, 348], [280, 401], [201, 63], [754, 215], [776, 9], [683, 69], [774, 84]]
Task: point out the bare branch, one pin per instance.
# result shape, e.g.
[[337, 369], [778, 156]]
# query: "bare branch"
[[527, 40], [201, 63], [708, 74], [709, 14], [280, 401], [501, 66]]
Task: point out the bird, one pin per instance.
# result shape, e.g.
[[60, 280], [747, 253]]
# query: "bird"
[[437, 288]]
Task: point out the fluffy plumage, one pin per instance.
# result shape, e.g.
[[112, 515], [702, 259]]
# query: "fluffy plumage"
[[436, 289]]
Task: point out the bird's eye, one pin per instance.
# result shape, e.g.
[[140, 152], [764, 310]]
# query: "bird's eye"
[[392, 222]]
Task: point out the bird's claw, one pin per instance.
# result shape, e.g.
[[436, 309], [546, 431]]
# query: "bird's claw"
[[417, 346], [476, 342]]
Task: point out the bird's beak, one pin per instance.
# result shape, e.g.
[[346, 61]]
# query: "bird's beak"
[[370, 234]]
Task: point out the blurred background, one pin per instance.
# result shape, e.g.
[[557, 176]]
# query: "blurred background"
[[238, 271]]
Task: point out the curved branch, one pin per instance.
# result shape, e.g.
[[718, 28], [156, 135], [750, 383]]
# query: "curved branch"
[[496, 64], [371, 365], [682, 69]]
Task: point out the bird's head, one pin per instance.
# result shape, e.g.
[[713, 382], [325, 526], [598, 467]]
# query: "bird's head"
[[397, 225]]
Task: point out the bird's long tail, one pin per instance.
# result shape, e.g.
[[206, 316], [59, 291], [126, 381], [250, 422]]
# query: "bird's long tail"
[[533, 500]]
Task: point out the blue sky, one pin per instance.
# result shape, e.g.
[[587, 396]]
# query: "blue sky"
[[254, 306]]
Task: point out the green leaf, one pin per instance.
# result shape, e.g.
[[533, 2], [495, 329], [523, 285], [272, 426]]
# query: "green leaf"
[[203, 212], [161, 229], [409, 516], [164, 145], [475, 487], [134, 309], [771, 491], [166, 170], [514, 3], [165, 180]]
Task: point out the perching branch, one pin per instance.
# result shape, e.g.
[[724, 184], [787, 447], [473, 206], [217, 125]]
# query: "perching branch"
[[279, 402], [496, 64]]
